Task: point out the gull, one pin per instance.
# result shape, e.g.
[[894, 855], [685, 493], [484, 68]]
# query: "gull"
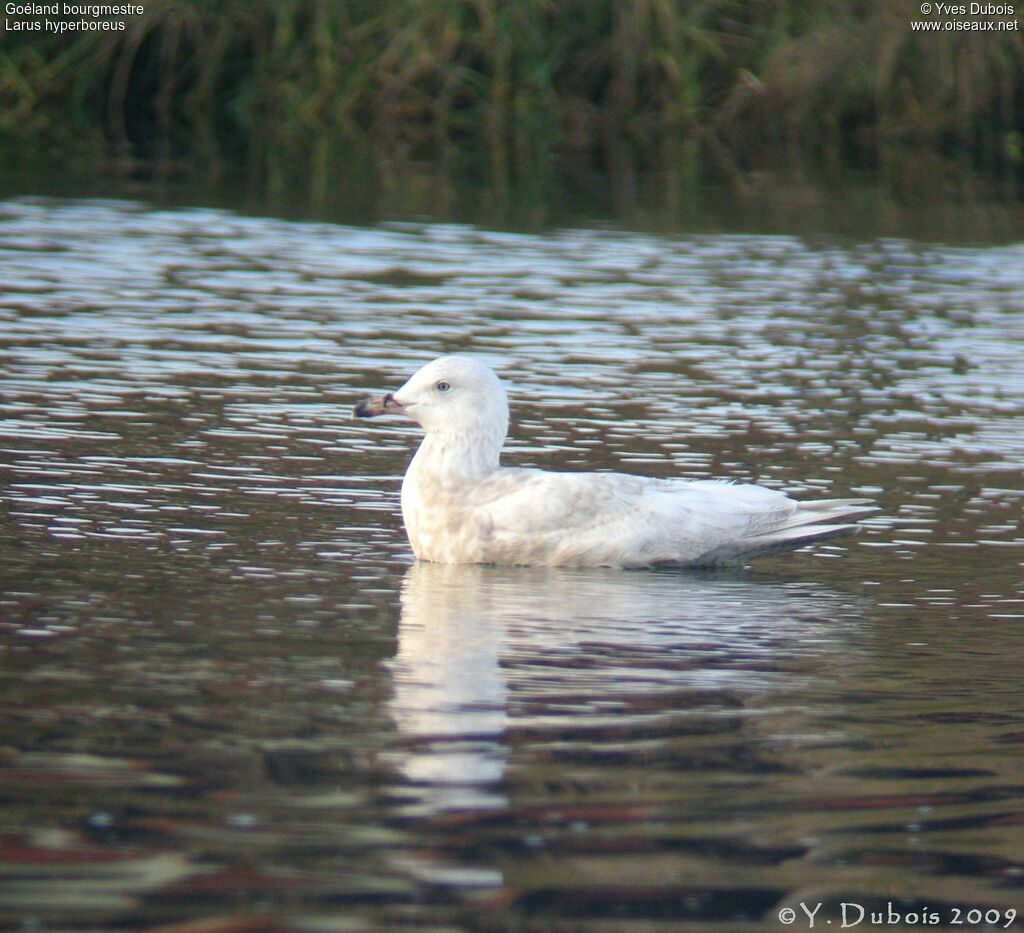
[[461, 506]]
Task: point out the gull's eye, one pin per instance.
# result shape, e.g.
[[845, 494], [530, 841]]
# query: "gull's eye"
[[442, 386]]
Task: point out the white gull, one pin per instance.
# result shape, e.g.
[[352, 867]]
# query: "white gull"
[[460, 506]]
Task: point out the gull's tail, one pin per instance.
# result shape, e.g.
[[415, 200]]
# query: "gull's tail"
[[813, 521]]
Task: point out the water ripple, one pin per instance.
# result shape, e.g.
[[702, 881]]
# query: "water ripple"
[[202, 567]]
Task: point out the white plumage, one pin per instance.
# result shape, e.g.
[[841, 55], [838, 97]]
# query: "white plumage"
[[461, 506]]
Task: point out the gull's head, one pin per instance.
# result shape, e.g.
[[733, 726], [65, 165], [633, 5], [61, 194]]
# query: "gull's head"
[[451, 395]]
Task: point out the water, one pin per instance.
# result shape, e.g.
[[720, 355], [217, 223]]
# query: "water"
[[230, 696]]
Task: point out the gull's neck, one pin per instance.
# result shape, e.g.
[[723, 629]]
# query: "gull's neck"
[[455, 459]]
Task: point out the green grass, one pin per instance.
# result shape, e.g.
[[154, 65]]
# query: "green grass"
[[500, 89]]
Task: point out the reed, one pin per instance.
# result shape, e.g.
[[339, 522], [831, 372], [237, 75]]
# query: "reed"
[[306, 89]]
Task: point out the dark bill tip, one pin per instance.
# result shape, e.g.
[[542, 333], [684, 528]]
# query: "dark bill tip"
[[377, 405], [365, 408]]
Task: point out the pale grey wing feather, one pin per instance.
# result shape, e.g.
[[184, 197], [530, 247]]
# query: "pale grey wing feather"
[[615, 518], [524, 501]]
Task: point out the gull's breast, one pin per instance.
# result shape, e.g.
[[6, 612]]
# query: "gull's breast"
[[441, 526]]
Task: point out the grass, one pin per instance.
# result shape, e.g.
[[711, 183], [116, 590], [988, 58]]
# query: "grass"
[[299, 91]]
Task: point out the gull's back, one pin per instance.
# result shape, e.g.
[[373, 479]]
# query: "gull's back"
[[528, 516]]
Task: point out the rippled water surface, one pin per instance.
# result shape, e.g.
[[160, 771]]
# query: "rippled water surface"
[[229, 696]]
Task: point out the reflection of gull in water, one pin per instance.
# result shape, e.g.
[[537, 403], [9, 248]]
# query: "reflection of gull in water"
[[449, 692], [461, 507], [483, 649]]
